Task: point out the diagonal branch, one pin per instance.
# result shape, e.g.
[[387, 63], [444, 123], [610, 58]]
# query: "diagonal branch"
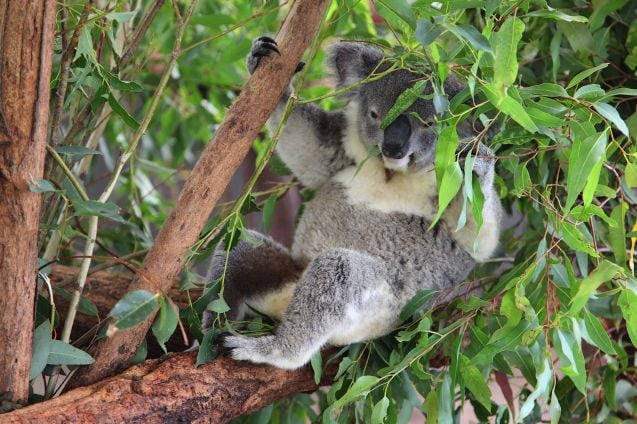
[[209, 179]]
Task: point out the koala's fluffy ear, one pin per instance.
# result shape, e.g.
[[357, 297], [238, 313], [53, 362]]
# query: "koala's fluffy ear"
[[352, 62]]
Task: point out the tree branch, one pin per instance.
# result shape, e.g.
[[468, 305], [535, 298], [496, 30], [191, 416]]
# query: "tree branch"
[[173, 390]]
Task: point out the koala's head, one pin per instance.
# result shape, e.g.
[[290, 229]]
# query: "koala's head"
[[408, 144]]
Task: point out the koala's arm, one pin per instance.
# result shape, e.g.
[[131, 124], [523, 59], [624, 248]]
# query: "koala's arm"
[[310, 142], [489, 235]]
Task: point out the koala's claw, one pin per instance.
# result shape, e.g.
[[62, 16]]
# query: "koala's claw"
[[261, 47]]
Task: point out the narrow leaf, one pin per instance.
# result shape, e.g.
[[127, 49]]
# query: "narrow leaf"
[[603, 273], [134, 308], [585, 155], [506, 48], [61, 353], [610, 113]]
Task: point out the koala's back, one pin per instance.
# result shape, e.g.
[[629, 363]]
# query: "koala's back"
[[416, 259]]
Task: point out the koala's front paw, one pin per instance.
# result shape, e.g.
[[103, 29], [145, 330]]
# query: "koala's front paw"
[[261, 47], [484, 165]]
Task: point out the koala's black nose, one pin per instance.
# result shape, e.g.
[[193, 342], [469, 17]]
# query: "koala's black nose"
[[396, 138]]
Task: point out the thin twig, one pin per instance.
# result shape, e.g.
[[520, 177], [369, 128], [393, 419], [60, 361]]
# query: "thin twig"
[[65, 69], [139, 33]]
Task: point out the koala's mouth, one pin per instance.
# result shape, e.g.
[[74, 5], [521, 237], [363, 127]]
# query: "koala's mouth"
[[401, 164]]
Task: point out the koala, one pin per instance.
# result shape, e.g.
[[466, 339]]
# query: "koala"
[[362, 248]]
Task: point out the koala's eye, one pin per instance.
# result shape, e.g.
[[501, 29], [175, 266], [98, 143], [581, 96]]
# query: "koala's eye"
[[428, 123], [373, 114]]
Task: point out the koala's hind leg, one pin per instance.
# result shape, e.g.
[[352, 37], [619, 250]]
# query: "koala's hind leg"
[[343, 297], [251, 272]]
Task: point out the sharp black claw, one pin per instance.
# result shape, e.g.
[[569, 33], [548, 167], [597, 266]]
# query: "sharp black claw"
[[266, 39], [271, 47], [299, 67]]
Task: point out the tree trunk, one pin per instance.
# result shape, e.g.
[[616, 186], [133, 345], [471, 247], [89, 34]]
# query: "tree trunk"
[[209, 179], [26, 48], [173, 390]]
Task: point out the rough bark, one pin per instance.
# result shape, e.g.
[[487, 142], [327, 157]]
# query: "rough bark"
[[209, 178], [173, 390], [26, 47]]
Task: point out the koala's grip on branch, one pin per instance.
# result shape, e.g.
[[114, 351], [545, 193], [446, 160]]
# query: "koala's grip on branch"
[[209, 179]]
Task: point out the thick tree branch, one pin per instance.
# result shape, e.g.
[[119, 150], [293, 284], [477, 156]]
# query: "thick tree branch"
[[173, 390], [209, 179], [26, 47]]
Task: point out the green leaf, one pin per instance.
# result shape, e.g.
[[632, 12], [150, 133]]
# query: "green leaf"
[[585, 154], [628, 305], [592, 182], [61, 353], [142, 353], [555, 410], [597, 333], [419, 300], [602, 10], [631, 174], [617, 235], [165, 323], [379, 413], [475, 382], [40, 351], [545, 90], [470, 34], [610, 113], [317, 366], [119, 109], [360, 388], [585, 74], [396, 12], [449, 187], [603, 273], [207, 349], [426, 33], [583, 213], [431, 407], [569, 350], [446, 148], [589, 92], [544, 379], [575, 239], [506, 47], [509, 106], [134, 308], [551, 13], [268, 212], [75, 152], [41, 186], [94, 208], [404, 100], [218, 305]]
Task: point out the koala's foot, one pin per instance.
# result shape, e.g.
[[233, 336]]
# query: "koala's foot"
[[261, 47], [264, 350]]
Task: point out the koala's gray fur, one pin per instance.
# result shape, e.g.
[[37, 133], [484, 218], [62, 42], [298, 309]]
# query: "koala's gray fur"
[[362, 248]]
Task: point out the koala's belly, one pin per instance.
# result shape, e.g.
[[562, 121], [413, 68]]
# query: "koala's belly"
[[402, 241]]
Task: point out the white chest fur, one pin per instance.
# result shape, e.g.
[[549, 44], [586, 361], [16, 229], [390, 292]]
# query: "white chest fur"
[[411, 194]]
